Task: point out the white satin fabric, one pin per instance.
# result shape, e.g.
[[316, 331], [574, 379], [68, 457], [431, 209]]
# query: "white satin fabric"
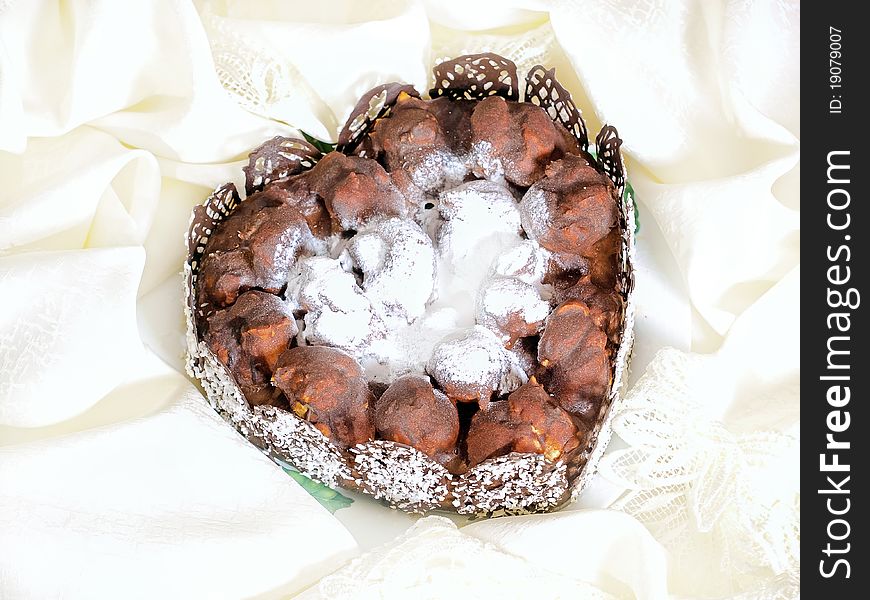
[[117, 117]]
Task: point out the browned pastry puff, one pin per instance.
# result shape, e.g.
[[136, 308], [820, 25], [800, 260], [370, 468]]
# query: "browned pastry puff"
[[605, 305], [601, 259], [454, 118], [308, 202], [526, 352], [352, 188], [418, 139], [520, 136], [528, 421], [248, 338], [224, 275], [326, 387], [574, 359], [491, 433], [511, 323], [409, 133], [571, 208], [412, 412], [255, 248], [544, 427]]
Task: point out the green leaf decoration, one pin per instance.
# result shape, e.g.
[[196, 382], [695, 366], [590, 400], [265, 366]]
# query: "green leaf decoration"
[[324, 147], [327, 497], [629, 193]]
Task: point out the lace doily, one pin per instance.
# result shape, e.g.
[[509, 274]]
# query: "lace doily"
[[260, 80], [726, 505], [535, 47], [434, 559]]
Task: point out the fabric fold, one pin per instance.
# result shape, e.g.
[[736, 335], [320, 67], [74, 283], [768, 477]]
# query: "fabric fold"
[[171, 503]]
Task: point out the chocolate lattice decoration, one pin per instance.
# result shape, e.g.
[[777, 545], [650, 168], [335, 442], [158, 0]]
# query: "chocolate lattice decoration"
[[401, 475], [373, 105], [610, 157], [277, 159], [542, 89], [206, 217], [476, 76]]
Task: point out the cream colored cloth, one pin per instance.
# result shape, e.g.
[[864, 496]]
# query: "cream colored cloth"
[[116, 479], [117, 117], [155, 501], [521, 557]]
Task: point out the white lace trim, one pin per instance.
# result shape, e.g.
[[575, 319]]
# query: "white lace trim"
[[434, 559], [726, 505], [260, 80]]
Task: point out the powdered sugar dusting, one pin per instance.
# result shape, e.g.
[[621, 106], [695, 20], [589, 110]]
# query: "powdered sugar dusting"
[[338, 313], [474, 361], [484, 163], [526, 262], [438, 170], [390, 294], [480, 223], [536, 216], [506, 298], [515, 483], [397, 262], [479, 216]]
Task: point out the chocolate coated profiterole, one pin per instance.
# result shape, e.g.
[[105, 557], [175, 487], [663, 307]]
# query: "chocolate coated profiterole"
[[571, 208], [254, 248], [248, 338], [440, 390], [528, 421], [353, 190], [412, 412], [574, 359], [520, 136], [605, 305], [326, 387]]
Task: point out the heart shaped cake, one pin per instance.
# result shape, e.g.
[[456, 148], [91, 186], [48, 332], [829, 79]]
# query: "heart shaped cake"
[[438, 312]]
